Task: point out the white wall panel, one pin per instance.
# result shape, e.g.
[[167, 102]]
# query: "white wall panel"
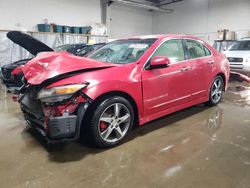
[[204, 17], [25, 14], [123, 21]]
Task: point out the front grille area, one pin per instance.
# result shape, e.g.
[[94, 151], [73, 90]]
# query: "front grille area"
[[236, 63], [32, 107], [235, 59], [30, 118], [236, 66]]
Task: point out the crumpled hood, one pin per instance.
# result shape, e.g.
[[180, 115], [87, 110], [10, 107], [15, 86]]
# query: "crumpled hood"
[[48, 65]]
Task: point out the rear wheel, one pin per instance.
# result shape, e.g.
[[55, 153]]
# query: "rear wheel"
[[111, 120], [216, 91]]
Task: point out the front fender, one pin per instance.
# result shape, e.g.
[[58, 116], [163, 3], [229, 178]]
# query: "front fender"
[[126, 79], [134, 90]]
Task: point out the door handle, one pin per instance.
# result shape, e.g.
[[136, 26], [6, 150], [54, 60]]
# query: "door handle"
[[210, 62], [183, 69]]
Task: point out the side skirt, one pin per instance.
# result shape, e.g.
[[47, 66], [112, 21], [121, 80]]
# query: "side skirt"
[[152, 117]]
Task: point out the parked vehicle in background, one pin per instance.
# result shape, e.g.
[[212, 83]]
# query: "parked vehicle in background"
[[239, 56], [124, 83], [32, 45], [79, 49], [12, 74], [223, 45]]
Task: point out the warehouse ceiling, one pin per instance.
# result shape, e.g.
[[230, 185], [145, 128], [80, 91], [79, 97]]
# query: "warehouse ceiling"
[[162, 2], [152, 5]]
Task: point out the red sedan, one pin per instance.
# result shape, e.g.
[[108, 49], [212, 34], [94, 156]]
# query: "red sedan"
[[126, 82]]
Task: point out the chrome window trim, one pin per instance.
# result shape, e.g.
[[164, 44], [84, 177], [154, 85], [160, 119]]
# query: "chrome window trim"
[[144, 66]]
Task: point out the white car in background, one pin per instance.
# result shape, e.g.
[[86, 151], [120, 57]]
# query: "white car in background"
[[239, 56]]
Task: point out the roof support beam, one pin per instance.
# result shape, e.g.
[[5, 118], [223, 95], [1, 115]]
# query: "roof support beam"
[[171, 2], [141, 5]]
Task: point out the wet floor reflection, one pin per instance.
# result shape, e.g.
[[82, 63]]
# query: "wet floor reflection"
[[196, 147], [238, 94]]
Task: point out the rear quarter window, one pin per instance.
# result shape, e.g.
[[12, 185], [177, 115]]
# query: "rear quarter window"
[[207, 51], [197, 49]]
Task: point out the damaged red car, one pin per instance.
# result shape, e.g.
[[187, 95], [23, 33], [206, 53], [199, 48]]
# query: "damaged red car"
[[125, 83]]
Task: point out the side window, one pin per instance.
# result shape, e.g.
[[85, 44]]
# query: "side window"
[[196, 49], [207, 51], [172, 49]]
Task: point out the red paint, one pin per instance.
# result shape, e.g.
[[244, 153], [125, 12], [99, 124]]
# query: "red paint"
[[69, 107], [240, 77], [158, 61], [15, 98], [17, 70], [156, 92], [103, 125]]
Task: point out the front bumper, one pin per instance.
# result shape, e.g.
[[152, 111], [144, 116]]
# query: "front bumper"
[[59, 129], [62, 127]]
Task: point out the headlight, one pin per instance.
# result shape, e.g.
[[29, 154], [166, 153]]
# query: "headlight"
[[248, 59], [60, 93]]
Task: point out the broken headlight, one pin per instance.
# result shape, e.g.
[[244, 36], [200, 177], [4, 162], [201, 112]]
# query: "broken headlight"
[[60, 93]]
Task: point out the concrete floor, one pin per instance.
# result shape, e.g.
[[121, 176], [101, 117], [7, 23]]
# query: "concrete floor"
[[197, 147]]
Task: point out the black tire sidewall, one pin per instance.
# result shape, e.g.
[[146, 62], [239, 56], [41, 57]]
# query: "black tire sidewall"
[[96, 113], [211, 102]]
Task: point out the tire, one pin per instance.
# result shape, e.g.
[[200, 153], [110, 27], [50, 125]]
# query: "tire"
[[216, 91], [111, 120]]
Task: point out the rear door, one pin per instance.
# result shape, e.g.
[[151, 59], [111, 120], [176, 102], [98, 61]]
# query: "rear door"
[[202, 66]]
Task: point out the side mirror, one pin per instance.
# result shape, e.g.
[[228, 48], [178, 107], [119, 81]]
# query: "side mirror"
[[159, 62]]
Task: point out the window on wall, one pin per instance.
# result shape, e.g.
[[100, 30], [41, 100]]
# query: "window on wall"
[[173, 49], [196, 49]]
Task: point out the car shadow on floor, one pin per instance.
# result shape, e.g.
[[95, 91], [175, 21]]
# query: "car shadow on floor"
[[169, 119], [64, 152], [78, 150]]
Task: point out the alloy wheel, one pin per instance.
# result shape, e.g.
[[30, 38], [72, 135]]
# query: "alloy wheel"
[[114, 122], [217, 90]]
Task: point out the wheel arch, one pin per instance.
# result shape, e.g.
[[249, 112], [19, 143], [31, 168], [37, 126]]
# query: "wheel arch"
[[122, 94], [223, 77]]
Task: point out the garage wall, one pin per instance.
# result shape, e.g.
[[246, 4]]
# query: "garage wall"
[[123, 21], [204, 18], [25, 14], [198, 17]]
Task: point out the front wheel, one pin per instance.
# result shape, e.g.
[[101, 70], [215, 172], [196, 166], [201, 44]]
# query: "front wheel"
[[216, 91], [111, 120]]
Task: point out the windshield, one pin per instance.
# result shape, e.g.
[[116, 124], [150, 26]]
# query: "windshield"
[[240, 46], [122, 51]]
